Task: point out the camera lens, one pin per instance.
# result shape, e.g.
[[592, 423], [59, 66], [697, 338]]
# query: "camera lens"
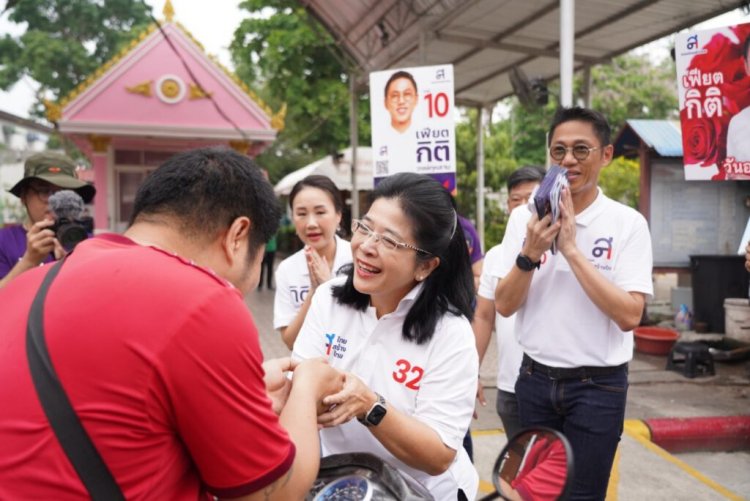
[[70, 234]]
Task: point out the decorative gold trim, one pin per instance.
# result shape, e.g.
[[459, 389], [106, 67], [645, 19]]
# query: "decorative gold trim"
[[53, 111], [190, 36], [240, 146], [143, 88], [198, 93], [242, 85], [277, 120], [72, 95], [105, 67], [168, 11], [99, 143]]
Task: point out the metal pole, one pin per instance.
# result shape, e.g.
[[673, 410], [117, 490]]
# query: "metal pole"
[[422, 46], [587, 87], [354, 141], [567, 38], [480, 175]]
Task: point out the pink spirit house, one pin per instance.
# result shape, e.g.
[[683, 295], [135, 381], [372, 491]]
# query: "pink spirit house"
[[143, 106]]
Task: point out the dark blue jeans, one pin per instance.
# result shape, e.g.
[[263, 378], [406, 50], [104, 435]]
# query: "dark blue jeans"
[[507, 408], [589, 411]]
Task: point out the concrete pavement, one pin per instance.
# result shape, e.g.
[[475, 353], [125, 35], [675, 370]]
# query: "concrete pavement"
[[642, 470]]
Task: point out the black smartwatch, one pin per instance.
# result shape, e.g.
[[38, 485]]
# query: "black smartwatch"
[[376, 413], [527, 264]]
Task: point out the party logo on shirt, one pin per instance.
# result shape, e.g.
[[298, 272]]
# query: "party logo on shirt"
[[329, 345], [299, 293], [602, 246], [603, 249], [338, 348]]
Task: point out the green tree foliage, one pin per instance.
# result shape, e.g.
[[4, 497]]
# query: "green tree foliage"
[[498, 164], [620, 181], [66, 40], [291, 59], [529, 130], [631, 86]]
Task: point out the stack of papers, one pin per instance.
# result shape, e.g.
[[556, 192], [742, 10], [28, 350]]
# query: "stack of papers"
[[547, 197]]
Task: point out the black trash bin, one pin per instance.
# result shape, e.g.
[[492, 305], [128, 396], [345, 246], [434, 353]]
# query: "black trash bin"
[[714, 279]]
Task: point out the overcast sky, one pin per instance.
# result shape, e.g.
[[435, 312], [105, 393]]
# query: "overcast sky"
[[213, 23]]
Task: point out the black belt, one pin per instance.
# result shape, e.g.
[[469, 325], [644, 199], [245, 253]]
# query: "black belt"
[[570, 372]]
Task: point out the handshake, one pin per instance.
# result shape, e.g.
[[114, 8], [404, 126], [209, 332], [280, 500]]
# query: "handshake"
[[339, 396], [319, 378]]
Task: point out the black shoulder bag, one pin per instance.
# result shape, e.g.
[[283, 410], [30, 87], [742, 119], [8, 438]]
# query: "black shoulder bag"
[[65, 423]]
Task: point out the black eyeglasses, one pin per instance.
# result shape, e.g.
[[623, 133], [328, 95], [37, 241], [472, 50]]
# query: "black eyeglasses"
[[360, 228], [580, 152]]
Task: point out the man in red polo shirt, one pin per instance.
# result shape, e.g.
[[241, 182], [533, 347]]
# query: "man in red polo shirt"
[[158, 354]]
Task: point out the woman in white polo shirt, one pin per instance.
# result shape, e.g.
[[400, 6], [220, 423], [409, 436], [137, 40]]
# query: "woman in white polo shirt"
[[316, 207], [398, 326]]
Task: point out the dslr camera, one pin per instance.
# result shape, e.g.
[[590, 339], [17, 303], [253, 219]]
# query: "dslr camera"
[[70, 227], [69, 232]]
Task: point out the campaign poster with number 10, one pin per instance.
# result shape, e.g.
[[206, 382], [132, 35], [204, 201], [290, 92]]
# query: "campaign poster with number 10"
[[413, 126]]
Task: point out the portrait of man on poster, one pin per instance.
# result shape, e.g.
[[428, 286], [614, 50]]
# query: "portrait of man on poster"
[[401, 99]]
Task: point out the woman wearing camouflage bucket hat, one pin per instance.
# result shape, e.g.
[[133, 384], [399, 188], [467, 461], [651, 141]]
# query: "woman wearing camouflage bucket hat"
[[32, 243]]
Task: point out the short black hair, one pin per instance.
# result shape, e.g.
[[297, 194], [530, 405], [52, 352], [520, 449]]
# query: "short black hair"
[[205, 190], [323, 183], [527, 173], [396, 76], [577, 113], [450, 287]]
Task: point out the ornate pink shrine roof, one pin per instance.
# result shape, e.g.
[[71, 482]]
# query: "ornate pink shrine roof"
[[146, 91]]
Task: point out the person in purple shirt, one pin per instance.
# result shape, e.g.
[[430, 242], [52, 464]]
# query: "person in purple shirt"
[[32, 243], [475, 248]]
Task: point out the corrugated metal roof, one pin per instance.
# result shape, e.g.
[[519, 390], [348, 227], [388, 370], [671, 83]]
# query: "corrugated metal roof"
[[486, 39], [664, 136]]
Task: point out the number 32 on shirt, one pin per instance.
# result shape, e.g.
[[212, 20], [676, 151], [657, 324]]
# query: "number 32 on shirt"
[[407, 374]]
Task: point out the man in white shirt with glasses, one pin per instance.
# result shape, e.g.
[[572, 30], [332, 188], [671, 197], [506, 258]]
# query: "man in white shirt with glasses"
[[576, 308]]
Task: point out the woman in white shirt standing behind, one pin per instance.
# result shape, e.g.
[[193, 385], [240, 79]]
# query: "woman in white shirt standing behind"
[[317, 207], [397, 325]]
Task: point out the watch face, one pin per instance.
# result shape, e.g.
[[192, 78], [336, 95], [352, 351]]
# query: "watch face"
[[375, 416], [524, 263]]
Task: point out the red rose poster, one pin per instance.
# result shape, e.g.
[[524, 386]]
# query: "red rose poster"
[[713, 83]]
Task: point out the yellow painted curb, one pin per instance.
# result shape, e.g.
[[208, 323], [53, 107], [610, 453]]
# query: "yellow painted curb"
[[614, 478], [485, 487], [636, 427], [636, 432], [479, 433]]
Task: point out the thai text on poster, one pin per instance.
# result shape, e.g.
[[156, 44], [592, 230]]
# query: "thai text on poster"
[[713, 84], [413, 128]]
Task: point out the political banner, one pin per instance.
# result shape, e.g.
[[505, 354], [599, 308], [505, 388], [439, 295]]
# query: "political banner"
[[413, 124], [713, 85]]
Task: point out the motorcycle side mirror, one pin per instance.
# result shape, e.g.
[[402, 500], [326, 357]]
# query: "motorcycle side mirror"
[[536, 464]]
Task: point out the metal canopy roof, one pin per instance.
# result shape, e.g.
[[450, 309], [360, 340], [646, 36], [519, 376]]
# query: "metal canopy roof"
[[664, 136], [484, 39]]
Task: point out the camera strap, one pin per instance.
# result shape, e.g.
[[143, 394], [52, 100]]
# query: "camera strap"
[[68, 429]]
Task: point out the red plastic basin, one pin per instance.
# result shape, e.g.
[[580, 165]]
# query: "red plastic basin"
[[654, 340]]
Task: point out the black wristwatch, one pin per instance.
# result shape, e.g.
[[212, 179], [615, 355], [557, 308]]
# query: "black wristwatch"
[[526, 264], [376, 413]]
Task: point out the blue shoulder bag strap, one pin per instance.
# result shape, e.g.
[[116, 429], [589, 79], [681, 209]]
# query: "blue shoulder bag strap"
[[65, 423]]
